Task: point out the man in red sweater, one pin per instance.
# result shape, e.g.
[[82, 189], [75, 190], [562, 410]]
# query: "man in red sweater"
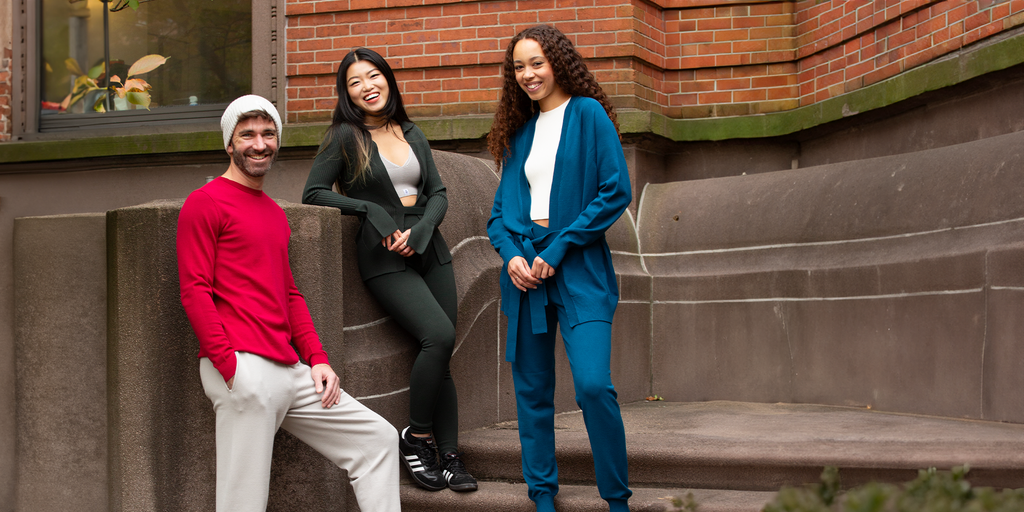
[[238, 292]]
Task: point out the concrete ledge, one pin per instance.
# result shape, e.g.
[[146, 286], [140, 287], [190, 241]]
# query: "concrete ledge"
[[762, 447]]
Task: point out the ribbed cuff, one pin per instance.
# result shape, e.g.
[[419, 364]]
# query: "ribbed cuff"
[[545, 503], [618, 506]]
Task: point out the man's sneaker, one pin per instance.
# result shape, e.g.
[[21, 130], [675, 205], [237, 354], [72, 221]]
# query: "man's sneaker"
[[419, 454], [455, 473]]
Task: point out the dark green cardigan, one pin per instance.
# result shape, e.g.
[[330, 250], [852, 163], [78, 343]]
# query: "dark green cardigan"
[[374, 200]]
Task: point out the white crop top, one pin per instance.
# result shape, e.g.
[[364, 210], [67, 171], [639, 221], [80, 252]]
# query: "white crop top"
[[540, 165], [405, 177]]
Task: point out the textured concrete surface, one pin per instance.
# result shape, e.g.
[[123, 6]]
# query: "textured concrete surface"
[[511, 497], [761, 447], [60, 324]]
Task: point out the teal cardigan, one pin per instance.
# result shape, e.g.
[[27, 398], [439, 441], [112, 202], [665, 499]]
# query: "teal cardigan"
[[376, 203], [589, 191]]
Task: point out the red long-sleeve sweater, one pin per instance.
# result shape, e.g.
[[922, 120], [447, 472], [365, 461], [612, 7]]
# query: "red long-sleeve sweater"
[[236, 284]]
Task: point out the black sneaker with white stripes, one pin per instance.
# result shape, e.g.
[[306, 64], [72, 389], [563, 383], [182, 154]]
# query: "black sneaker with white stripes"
[[419, 454], [455, 473]]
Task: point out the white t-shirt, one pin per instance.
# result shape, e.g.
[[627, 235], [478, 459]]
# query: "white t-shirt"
[[540, 165]]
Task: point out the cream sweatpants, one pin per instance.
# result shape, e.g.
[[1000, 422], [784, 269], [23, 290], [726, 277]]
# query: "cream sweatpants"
[[267, 395]]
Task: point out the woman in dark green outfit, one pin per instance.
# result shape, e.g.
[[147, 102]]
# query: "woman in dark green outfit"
[[381, 163]]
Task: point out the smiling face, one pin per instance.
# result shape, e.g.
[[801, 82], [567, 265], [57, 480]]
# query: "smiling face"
[[367, 87], [536, 76], [253, 146]]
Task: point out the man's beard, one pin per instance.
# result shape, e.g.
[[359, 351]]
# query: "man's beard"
[[250, 168]]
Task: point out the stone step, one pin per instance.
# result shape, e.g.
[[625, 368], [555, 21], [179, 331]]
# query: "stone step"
[[762, 447], [511, 497]]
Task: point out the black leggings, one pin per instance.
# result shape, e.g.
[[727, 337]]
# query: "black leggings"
[[422, 300]]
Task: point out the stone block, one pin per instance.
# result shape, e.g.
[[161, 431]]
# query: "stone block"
[[60, 289], [1003, 370], [919, 354], [1006, 266], [162, 449], [631, 352], [721, 351], [953, 187]]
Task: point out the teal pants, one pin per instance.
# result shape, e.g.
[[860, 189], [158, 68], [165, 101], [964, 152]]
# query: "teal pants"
[[588, 346], [422, 300]]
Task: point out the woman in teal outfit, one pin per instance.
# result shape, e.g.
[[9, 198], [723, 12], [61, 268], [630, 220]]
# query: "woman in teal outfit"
[[564, 182], [382, 166]]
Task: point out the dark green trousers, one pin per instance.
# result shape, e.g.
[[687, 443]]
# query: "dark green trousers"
[[423, 301]]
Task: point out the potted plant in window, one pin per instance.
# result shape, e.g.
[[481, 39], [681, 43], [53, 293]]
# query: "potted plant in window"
[[133, 89]]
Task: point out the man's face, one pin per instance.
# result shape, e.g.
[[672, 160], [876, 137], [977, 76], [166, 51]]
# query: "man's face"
[[253, 146]]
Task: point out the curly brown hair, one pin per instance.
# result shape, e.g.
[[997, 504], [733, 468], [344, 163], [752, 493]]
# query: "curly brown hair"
[[571, 74]]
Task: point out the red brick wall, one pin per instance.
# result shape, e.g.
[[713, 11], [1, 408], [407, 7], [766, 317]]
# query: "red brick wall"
[[5, 94], [845, 47], [681, 58]]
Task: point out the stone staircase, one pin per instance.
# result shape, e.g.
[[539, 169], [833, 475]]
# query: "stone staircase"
[[733, 456]]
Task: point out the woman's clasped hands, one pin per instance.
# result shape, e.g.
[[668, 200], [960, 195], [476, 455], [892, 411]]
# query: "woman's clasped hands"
[[524, 277], [398, 242]]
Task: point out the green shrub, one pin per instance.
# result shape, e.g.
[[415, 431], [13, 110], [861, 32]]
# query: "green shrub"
[[932, 491]]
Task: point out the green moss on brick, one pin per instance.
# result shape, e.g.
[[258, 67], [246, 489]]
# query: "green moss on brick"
[[110, 146], [996, 56], [299, 135], [455, 128]]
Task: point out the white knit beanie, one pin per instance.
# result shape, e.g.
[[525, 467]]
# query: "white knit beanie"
[[247, 103]]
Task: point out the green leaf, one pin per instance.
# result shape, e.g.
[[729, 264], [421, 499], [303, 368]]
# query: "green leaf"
[[96, 71], [74, 98], [134, 4], [139, 98]]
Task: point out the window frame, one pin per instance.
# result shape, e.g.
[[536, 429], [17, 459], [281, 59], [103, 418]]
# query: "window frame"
[[268, 68]]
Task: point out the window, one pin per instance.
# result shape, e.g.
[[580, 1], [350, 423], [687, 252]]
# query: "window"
[[208, 46]]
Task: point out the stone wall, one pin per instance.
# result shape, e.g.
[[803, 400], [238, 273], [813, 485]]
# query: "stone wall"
[[892, 283]]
